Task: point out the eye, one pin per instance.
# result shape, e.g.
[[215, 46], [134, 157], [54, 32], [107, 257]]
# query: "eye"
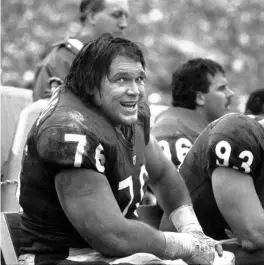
[[141, 79], [117, 15], [222, 88], [121, 80]]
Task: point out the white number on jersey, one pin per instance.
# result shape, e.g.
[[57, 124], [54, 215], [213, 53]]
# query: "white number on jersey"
[[99, 158], [223, 151], [81, 140], [128, 183], [182, 147]]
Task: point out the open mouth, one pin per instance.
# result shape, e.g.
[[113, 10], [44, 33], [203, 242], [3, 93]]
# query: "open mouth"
[[129, 105]]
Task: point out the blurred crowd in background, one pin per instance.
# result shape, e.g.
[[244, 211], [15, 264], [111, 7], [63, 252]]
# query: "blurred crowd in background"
[[171, 32]]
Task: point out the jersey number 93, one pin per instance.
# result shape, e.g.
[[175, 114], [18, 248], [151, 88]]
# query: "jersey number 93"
[[223, 151]]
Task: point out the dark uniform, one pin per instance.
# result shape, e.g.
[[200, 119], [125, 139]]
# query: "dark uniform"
[[235, 141], [55, 66], [68, 134], [176, 129]]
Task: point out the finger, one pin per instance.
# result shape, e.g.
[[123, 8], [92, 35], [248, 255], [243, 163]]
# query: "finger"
[[229, 233], [219, 249]]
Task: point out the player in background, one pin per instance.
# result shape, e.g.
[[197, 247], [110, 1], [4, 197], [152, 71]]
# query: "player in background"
[[86, 165], [255, 103], [224, 172], [200, 94], [96, 17]]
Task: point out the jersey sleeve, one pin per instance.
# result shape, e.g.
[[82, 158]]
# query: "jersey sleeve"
[[67, 147], [234, 143], [144, 120]]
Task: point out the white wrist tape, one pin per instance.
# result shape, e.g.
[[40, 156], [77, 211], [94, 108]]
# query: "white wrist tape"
[[186, 247], [178, 246], [184, 219]]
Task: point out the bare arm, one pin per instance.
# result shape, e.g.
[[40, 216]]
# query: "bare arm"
[[237, 200], [165, 181], [87, 199], [88, 202], [173, 195]]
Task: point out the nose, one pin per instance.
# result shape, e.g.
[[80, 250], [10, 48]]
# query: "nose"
[[123, 22], [133, 89], [229, 93]]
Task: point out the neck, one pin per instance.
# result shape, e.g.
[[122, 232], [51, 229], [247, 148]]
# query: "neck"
[[86, 34], [201, 111]]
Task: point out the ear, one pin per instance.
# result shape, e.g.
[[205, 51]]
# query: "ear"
[[199, 98], [91, 17]]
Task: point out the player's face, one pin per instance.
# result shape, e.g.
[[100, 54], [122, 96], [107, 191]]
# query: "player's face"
[[121, 91], [113, 18], [217, 100]]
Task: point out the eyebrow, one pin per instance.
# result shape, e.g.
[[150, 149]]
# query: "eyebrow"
[[116, 10], [125, 73]]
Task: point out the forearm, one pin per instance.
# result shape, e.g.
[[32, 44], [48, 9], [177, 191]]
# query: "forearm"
[[165, 181], [171, 190], [244, 214], [89, 204], [253, 238], [137, 237], [128, 237]]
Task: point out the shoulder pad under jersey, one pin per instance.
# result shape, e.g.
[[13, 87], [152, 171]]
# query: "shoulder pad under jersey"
[[72, 44]]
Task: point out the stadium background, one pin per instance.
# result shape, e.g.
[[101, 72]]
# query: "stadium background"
[[170, 31]]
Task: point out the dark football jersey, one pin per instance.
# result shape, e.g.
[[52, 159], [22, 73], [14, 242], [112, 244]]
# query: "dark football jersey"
[[235, 141], [176, 129], [68, 134]]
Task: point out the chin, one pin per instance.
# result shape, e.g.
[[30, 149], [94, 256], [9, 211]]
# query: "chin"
[[129, 121], [118, 34]]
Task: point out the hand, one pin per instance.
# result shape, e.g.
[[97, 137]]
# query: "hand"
[[203, 254], [185, 221], [210, 242], [188, 248], [244, 243]]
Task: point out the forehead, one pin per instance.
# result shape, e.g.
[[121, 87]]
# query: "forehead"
[[217, 79], [116, 5], [125, 64]]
